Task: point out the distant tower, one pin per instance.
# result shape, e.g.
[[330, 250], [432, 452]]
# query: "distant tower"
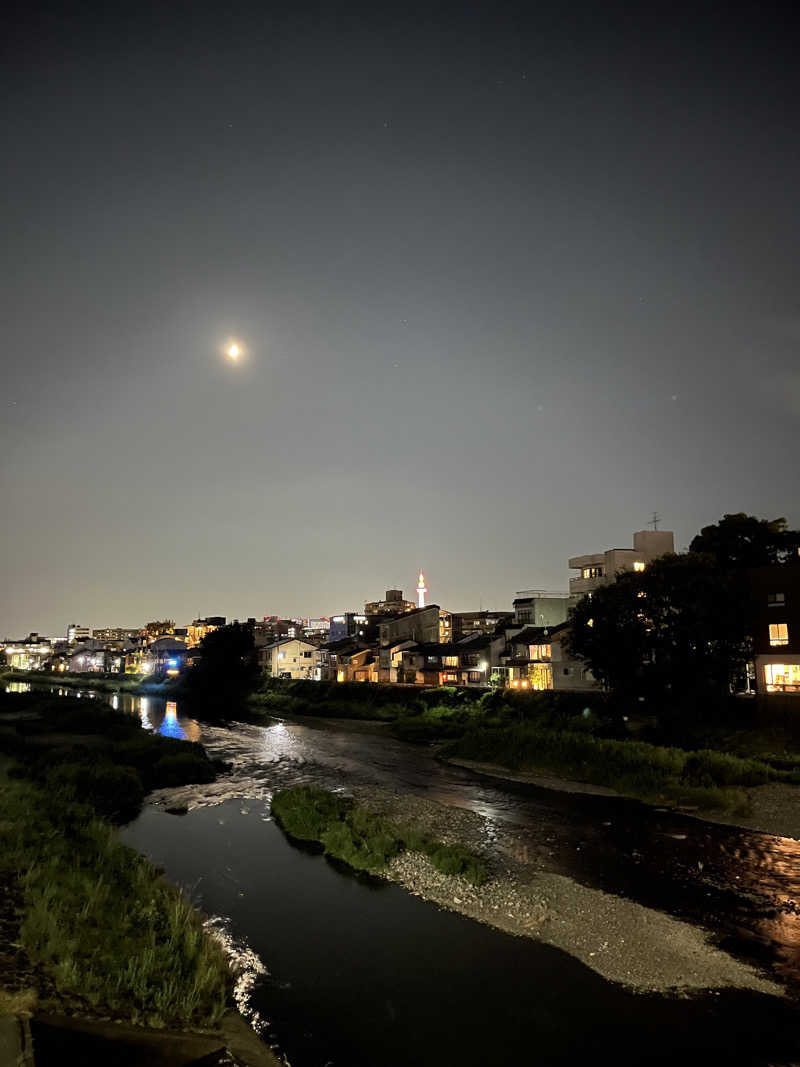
[[421, 590]]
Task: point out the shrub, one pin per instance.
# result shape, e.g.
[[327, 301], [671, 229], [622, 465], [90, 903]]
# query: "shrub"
[[306, 812], [362, 839], [457, 861]]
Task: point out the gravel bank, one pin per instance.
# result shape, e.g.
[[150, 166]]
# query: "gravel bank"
[[622, 940]]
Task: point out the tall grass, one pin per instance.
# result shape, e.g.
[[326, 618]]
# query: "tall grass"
[[651, 772], [102, 923]]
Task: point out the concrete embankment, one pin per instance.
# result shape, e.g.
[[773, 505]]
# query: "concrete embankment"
[[43, 1040]]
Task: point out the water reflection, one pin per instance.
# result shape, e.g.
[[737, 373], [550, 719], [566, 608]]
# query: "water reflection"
[[161, 717], [18, 687]]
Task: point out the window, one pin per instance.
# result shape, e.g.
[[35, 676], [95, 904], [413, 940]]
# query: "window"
[[776, 600], [449, 661], [592, 572], [778, 633], [566, 672], [638, 565], [782, 677]]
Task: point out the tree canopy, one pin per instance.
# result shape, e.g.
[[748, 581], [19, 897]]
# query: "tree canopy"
[[227, 668], [679, 626], [742, 540]]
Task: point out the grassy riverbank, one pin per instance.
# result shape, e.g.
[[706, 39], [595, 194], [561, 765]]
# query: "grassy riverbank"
[[100, 932], [362, 839], [104, 683], [577, 736], [706, 779]]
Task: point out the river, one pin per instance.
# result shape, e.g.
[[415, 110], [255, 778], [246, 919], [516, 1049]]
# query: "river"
[[361, 972]]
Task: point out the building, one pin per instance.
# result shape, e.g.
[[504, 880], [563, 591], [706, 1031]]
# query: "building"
[[200, 627], [393, 604], [316, 629], [465, 623], [538, 658], [598, 568], [537, 607], [775, 593], [350, 624], [96, 656], [31, 654], [422, 624], [273, 628], [115, 633], [290, 657], [77, 633], [356, 664]]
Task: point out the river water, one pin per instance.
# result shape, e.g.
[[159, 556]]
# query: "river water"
[[362, 973]]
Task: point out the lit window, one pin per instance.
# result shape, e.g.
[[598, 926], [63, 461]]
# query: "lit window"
[[778, 633], [776, 600], [638, 565], [590, 622], [782, 677]]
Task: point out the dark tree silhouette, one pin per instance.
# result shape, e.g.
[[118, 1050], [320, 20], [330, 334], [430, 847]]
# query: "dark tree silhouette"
[[742, 540], [228, 669], [679, 627]]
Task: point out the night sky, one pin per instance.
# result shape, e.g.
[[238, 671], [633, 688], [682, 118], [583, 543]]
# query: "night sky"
[[504, 283]]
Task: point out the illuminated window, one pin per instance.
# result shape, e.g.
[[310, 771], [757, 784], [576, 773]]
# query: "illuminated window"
[[776, 600], [638, 565], [782, 677], [592, 572], [778, 633]]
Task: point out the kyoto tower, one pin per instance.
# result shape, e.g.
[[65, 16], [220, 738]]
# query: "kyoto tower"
[[421, 590]]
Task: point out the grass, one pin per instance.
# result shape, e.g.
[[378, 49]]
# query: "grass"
[[362, 839], [87, 751], [704, 778], [101, 922]]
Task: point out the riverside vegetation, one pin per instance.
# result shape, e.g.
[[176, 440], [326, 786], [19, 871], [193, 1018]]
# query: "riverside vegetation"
[[100, 931], [362, 839], [580, 736]]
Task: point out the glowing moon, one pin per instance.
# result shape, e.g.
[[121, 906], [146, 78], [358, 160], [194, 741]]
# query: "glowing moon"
[[233, 351]]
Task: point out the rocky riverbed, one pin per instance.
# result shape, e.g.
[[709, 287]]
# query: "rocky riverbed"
[[620, 939]]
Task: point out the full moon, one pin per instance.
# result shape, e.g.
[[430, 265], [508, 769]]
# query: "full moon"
[[233, 351]]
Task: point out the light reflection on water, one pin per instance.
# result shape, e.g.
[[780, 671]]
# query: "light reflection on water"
[[18, 687]]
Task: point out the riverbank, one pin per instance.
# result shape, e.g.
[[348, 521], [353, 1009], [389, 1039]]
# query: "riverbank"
[[88, 928], [620, 939], [113, 683], [772, 808]]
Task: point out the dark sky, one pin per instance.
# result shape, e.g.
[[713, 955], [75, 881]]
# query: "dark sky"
[[506, 284]]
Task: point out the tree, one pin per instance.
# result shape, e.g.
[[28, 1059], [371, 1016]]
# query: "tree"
[[228, 666], [160, 628], [679, 627], [742, 540]]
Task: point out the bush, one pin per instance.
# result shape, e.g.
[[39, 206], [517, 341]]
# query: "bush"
[[456, 861], [306, 812], [362, 839]]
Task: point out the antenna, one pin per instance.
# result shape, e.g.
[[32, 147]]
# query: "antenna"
[[656, 519]]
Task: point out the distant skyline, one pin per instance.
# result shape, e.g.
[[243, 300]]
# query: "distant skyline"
[[503, 280]]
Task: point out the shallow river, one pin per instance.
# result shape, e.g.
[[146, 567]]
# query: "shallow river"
[[361, 972]]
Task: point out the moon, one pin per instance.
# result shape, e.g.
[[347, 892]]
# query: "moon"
[[233, 351]]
